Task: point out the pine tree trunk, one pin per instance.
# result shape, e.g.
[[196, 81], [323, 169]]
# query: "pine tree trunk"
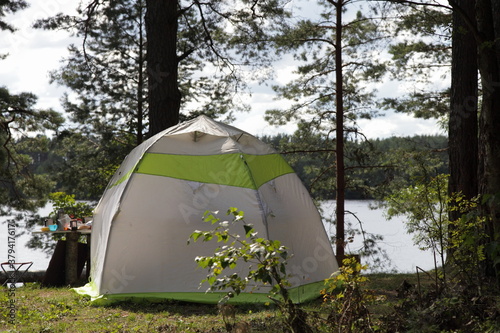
[[164, 96], [488, 21], [463, 122], [140, 84], [339, 130]]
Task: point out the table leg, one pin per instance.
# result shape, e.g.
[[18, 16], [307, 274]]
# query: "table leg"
[[71, 257], [88, 257]]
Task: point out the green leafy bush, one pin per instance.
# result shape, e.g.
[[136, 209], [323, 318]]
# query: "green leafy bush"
[[267, 259], [67, 203], [347, 299]]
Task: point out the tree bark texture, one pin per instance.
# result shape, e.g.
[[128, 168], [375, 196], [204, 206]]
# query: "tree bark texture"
[[339, 130], [463, 122], [140, 83], [163, 93], [488, 21]]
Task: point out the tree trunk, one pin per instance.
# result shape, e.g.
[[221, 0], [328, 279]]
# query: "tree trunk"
[[140, 83], [163, 95], [488, 21], [463, 122], [339, 130]]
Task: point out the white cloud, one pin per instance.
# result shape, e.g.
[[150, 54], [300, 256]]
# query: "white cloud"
[[33, 53], [398, 124], [253, 122], [382, 127]]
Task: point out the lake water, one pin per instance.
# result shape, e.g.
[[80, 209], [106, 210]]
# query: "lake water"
[[396, 243], [40, 259]]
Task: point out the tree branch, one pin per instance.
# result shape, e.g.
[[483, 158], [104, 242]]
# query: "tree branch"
[[308, 151], [90, 10], [209, 40]]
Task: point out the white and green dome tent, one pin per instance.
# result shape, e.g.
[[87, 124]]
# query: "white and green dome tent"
[[158, 196]]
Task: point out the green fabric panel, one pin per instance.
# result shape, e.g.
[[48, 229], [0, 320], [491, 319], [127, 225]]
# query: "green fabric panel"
[[123, 178], [214, 169], [266, 167], [299, 294], [90, 289], [241, 170]]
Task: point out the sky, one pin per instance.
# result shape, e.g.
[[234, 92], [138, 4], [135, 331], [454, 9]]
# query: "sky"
[[34, 53]]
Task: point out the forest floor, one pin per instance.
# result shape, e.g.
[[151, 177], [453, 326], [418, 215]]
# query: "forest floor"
[[40, 309]]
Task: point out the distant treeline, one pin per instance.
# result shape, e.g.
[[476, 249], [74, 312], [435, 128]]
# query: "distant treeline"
[[370, 165]]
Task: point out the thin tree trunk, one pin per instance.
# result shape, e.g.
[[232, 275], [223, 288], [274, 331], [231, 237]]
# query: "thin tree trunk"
[[140, 83], [163, 95], [339, 123]]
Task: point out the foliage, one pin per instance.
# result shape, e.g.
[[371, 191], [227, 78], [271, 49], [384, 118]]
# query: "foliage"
[[110, 74], [347, 299], [266, 259], [106, 74], [108, 103], [110, 77], [467, 240], [60, 202], [67, 203], [462, 300], [227, 256], [406, 161], [425, 206], [421, 51], [19, 123], [83, 164], [10, 7], [375, 167], [459, 310], [314, 42], [460, 244]]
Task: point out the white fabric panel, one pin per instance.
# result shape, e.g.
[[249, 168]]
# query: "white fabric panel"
[[107, 208], [109, 205], [249, 144], [184, 144], [204, 124], [147, 249], [295, 221]]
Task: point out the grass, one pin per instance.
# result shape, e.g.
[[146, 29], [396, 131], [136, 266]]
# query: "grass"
[[53, 310], [62, 310]]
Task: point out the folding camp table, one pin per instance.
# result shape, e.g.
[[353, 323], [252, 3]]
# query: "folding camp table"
[[71, 259], [15, 271]]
